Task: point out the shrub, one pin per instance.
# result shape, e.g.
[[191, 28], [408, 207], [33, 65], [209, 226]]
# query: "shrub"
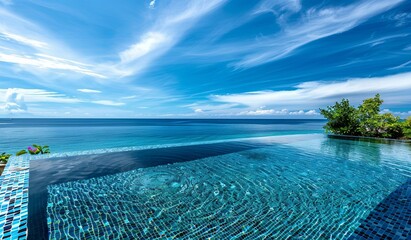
[[34, 150], [406, 128], [365, 120], [4, 157], [342, 118], [369, 117]]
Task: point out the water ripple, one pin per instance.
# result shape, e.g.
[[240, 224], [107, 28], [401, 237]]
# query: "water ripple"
[[275, 192]]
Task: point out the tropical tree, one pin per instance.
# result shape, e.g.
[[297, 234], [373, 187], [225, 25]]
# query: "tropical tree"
[[391, 126], [366, 120], [342, 118], [369, 117]]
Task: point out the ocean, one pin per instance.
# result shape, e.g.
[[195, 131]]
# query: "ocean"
[[74, 135]]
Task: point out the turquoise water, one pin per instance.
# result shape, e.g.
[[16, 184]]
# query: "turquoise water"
[[73, 135], [299, 187]]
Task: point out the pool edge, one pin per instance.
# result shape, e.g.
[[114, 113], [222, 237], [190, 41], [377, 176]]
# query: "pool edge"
[[14, 195]]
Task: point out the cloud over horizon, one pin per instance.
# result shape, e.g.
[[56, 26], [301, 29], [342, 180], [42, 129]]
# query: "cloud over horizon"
[[215, 58]]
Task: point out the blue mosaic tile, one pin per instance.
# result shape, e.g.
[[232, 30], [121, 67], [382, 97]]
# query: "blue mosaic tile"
[[391, 219], [278, 196], [14, 199]]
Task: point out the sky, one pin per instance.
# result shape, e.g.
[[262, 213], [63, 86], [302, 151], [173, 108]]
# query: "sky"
[[203, 58]]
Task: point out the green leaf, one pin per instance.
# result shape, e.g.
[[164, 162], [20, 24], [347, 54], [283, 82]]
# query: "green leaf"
[[21, 152]]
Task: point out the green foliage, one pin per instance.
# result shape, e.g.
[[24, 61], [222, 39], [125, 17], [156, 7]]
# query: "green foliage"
[[391, 126], [342, 118], [4, 157], [34, 150], [42, 149], [369, 117], [365, 120], [406, 128], [21, 152]]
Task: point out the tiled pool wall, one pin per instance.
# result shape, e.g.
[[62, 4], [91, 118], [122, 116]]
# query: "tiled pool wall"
[[14, 197], [391, 219]]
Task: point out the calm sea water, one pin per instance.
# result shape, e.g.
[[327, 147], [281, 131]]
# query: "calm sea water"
[[68, 135]]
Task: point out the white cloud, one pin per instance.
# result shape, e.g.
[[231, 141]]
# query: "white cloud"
[[14, 102], [316, 24], [282, 9], [406, 64], [85, 90], [316, 93], [397, 113], [23, 40], [297, 27], [312, 112], [31, 48], [152, 4], [129, 97], [108, 103], [47, 63], [170, 25], [402, 19], [198, 110], [148, 43], [273, 112], [39, 95]]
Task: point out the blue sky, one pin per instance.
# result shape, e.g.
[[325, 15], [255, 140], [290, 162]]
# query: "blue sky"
[[203, 58]]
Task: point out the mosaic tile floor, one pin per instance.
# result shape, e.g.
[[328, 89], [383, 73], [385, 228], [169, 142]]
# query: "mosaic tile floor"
[[254, 194], [391, 219], [14, 199]]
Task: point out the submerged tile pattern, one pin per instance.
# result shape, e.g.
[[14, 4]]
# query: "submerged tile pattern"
[[254, 194], [14, 199], [391, 219]]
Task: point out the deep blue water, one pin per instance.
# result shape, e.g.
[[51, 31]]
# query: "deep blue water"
[[68, 135]]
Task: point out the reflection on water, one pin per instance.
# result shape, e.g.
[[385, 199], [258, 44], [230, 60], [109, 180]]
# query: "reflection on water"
[[348, 149]]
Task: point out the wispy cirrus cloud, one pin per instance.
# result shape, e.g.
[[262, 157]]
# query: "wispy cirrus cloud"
[[311, 94], [23, 40], [129, 97], [41, 51], [108, 103], [52, 63], [170, 25], [18, 100], [312, 24], [273, 112], [316, 24], [85, 90], [148, 43]]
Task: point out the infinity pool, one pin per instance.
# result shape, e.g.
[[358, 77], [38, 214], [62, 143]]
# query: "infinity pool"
[[300, 187]]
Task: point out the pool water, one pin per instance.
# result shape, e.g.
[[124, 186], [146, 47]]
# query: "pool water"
[[300, 187]]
